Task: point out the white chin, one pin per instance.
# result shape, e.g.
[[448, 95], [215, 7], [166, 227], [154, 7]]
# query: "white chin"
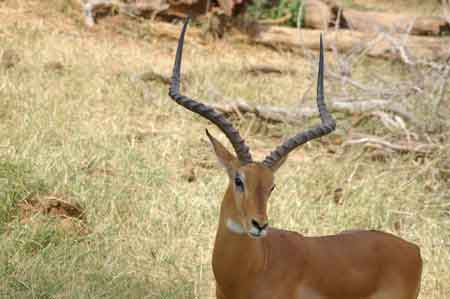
[[255, 235]]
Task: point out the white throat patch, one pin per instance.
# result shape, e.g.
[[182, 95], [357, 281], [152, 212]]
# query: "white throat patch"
[[235, 227]]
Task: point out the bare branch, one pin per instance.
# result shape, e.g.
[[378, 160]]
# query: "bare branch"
[[403, 148], [297, 116], [373, 45]]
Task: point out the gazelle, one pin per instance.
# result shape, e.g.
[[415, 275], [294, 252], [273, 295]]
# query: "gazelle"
[[254, 261]]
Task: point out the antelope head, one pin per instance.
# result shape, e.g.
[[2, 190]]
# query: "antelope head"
[[250, 182]]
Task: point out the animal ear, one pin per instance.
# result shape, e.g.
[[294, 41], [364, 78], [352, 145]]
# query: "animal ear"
[[226, 159], [278, 164]]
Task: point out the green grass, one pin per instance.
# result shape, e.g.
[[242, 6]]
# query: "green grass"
[[261, 10], [16, 182], [150, 231]]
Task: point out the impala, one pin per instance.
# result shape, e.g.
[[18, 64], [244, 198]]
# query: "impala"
[[254, 261]]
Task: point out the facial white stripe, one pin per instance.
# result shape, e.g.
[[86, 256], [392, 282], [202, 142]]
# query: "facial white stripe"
[[235, 227]]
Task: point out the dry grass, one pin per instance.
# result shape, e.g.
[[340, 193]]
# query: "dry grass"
[[73, 123], [408, 7]]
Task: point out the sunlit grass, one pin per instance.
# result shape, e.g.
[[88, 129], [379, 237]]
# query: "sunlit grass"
[[85, 131]]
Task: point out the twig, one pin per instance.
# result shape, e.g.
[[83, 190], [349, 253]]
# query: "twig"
[[378, 143], [391, 124], [400, 45]]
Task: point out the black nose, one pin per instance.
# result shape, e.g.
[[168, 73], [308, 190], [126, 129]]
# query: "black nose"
[[259, 226]]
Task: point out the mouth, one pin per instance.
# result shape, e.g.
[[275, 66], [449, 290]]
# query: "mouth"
[[253, 235], [257, 234]]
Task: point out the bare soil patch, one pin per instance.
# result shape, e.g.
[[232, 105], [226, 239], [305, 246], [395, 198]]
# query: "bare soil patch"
[[69, 216]]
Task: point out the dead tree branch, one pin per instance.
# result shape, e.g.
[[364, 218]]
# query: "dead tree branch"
[[373, 142], [297, 116], [369, 21], [374, 45]]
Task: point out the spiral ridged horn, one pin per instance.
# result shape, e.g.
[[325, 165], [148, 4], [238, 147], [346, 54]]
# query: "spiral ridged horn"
[[241, 149], [328, 123]]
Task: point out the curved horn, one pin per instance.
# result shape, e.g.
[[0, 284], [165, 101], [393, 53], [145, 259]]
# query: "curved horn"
[[328, 123], [241, 149]]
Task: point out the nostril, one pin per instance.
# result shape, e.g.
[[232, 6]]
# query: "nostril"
[[255, 224], [259, 226]]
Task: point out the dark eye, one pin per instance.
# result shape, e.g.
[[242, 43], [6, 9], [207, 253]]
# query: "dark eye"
[[239, 183], [273, 187]]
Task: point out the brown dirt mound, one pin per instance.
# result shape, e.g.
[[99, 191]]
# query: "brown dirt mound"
[[70, 216]]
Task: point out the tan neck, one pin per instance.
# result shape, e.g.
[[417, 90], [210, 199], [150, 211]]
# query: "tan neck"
[[233, 248]]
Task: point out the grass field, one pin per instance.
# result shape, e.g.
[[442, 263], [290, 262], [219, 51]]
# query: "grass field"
[[74, 128]]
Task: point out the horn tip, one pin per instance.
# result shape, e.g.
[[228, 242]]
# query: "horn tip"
[[321, 43]]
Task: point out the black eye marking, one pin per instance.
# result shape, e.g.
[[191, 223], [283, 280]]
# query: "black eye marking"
[[271, 188], [239, 183]]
